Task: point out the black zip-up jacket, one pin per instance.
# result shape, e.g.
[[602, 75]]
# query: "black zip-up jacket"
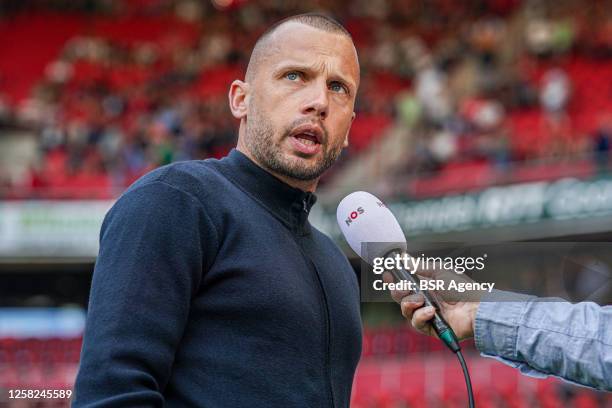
[[211, 289]]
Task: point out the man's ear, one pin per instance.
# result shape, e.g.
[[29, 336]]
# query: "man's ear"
[[238, 98], [346, 138]]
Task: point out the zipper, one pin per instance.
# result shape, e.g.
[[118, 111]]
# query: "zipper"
[[306, 202], [330, 391], [325, 306]]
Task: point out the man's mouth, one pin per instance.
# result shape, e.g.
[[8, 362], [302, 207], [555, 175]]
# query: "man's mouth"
[[307, 139]]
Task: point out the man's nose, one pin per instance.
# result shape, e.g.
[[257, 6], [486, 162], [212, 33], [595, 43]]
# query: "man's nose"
[[317, 101]]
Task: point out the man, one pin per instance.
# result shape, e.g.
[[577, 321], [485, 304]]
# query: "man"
[[539, 336], [211, 288]]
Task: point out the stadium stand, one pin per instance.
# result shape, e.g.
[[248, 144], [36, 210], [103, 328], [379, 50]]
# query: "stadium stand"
[[117, 94]]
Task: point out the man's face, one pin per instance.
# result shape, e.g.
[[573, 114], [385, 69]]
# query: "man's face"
[[301, 100]]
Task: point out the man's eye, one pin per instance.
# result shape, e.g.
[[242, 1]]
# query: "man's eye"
[[292, 76], [338, 87]]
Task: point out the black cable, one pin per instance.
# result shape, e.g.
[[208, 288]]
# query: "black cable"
[[468, 382], [438, 324]]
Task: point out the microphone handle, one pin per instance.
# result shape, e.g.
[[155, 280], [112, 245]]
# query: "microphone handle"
[[440, 326]]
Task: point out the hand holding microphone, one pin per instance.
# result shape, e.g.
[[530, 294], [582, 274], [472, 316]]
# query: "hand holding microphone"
[[460, 315], [372, 232], [549, 345]]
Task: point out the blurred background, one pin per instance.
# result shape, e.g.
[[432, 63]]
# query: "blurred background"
[[487, 120]]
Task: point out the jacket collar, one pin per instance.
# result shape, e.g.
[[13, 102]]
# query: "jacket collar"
[[291, 205]]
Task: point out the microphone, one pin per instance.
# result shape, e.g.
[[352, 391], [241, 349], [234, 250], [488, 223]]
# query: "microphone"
[[363, 219]]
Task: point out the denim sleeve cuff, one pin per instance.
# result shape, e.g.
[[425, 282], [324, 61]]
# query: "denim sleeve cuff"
[[524, 368], [497, 323]]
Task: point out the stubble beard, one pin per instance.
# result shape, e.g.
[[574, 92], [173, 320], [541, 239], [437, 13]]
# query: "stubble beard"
[[269, 154]]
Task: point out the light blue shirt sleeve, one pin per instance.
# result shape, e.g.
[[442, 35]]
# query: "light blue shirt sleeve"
[[548, 337]]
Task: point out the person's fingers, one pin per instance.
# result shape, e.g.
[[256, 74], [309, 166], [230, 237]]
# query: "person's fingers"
[[410, 303], [396, 294], [387, 277], [421, 317]]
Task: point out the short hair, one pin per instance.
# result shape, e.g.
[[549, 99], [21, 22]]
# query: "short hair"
[[316, 20]]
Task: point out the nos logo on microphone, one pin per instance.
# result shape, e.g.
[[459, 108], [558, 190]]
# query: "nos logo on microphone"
[[353, 215]]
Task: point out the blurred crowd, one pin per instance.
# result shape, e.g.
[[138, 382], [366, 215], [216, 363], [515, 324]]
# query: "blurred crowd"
[[143, 83], [531, 86]]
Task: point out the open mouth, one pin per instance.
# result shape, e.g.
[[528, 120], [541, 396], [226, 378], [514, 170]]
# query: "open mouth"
[[307, 139]]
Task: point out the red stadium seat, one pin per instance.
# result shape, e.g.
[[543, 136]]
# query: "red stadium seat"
[[365, 129]]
